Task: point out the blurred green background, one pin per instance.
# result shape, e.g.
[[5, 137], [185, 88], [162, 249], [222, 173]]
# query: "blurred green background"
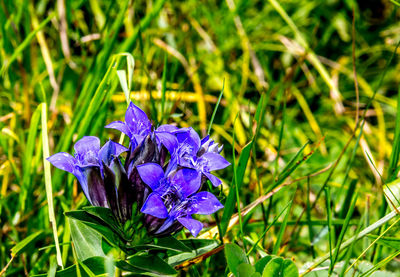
[[298, 56]]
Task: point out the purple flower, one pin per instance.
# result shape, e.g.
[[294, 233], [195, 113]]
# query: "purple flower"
[[201, 155], [174, 199], [98, 171], [208, 145], [136, 126], [166, 190], [165, 136]]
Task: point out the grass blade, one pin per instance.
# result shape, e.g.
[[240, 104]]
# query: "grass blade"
[[47, 178], [356, 237], [277, 244], [25, 44], [342, 233], [215, 109]]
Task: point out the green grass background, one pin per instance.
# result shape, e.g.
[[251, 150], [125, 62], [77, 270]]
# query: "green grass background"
[[290, 114]]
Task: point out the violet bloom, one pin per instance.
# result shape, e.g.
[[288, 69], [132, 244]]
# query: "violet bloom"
[[98, 171], [136, 126], [201, 155], [174, 199]]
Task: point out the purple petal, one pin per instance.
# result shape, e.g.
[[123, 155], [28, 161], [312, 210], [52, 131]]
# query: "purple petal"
[[172, 164], [214, 180], [138, 139], [205, 139], [187, 181], [120, 126], [168, 140], [87, 150], [155, 206], [87, 144], [82, 175], [194, 226], [137, 120], [204, 202], [214, 148], [63, 161], [189, 137], [109, 150], [151, 174], [214, 161], [186, 161], [168, 223], [167, 128]]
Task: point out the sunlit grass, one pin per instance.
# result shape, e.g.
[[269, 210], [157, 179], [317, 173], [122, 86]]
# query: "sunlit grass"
[[273, 81]]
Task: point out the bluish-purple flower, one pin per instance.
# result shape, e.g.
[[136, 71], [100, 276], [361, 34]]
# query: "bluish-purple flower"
[[99, 172], [201, 155], [175, 199], [136, 126], [162, 175], [88, 156]]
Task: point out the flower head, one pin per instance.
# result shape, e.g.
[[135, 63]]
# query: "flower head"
[[175, 200], [136, 126], [99, 172], [201, 155], [166, 190]]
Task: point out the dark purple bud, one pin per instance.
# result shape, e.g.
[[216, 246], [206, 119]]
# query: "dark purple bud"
[[146, 152], [109, 184], [126, 191], [97, 191]]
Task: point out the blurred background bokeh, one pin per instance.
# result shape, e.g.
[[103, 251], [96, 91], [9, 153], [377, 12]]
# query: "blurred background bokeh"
[[296, 55]]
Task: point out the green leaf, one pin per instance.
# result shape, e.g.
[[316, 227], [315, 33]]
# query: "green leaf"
[[199, 246], [234, 257], [97, 266], [167, 243], [130, 268], [105, 215], [149, 265], [260, 265], [87, 242], [245, 270], [23, 244], [97, 224], [280, 267]]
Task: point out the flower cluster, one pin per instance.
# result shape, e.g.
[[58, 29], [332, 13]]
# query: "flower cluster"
[[163, 173]]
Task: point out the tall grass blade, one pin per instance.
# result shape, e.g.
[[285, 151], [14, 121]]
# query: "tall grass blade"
[[356, 237], [269, 227], [28, 154], [163, 87], [282, 229], [24, 44], [329, 219], [216, 108], [343, 232], [47, 178], [394, 155]]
